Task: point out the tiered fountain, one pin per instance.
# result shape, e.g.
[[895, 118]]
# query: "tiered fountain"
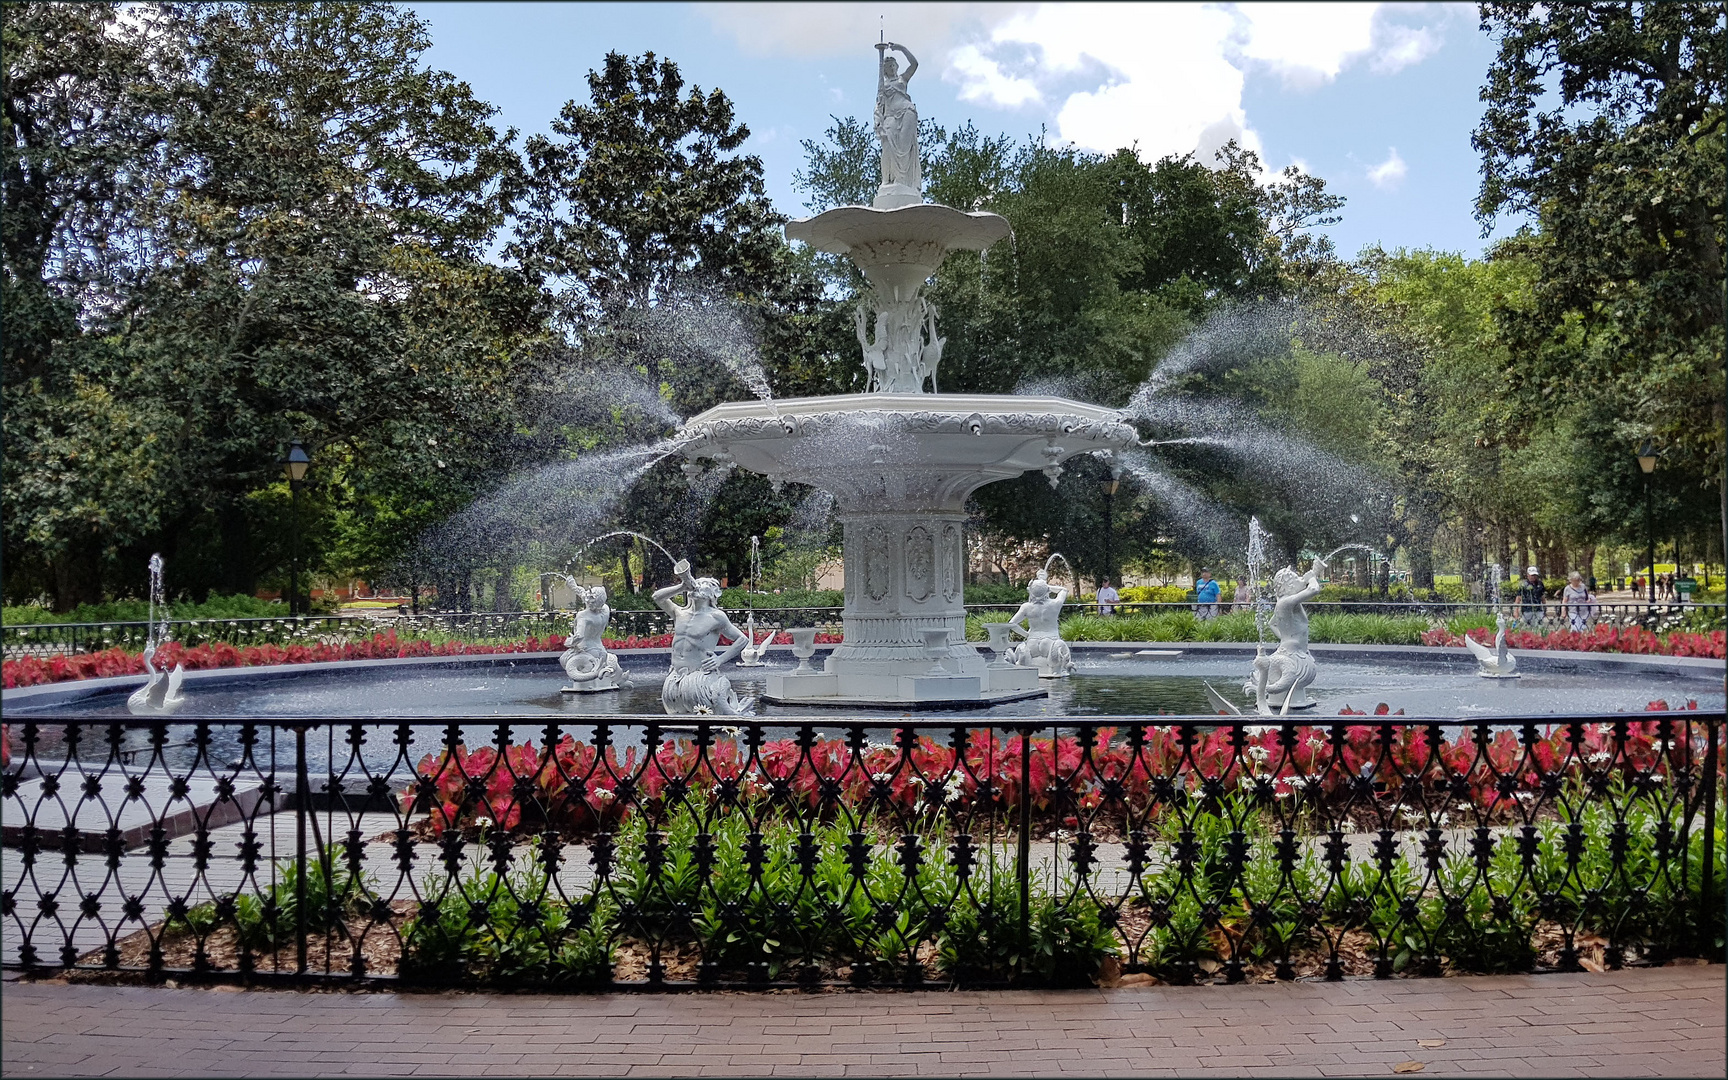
[[900, 460]]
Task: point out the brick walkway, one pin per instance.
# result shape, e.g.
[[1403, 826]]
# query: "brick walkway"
[[1658, 1022]]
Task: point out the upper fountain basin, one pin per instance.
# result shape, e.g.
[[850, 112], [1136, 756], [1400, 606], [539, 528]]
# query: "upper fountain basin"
[[929, 451], [899, 248]]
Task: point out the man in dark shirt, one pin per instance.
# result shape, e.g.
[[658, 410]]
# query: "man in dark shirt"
[[1530, 597]]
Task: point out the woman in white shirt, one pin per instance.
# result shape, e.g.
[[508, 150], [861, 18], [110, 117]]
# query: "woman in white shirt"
[[1580, 603]]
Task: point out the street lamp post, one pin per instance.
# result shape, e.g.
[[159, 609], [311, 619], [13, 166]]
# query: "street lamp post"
[[1647, 462], [1110, 487], [295, 465]]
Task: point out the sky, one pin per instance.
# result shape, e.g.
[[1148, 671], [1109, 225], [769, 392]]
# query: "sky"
[[1379, 100]]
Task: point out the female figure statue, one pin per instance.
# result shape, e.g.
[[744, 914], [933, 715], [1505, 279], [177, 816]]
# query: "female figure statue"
[[1282, 679], [1038, 621], [695, 685], [897, 130], [588, 663]]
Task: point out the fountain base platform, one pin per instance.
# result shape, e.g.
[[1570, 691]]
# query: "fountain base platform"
[[854, 677], [981, 700]]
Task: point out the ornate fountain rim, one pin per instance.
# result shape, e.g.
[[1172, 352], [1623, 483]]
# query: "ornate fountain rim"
[[974, 414]]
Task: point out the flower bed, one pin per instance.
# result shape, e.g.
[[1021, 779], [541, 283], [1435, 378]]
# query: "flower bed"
[[576, 788], [1620, 639], [30, 671]]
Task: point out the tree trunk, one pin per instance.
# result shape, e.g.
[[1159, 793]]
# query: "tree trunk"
[[1503, 550], [1421, 550], [77, 577], [1470, 549], [629, 580], [239, 565]]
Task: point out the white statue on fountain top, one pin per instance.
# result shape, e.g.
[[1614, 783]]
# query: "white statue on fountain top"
[[695, 684], [897, 130], [1281, 680], [1039, 621], [591, 667]]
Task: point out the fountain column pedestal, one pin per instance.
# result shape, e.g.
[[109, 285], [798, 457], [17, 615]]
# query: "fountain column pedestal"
[[905, 573]]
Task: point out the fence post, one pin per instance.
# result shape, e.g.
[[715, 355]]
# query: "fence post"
[[1023, 856], [302, 791], [1706, 913]]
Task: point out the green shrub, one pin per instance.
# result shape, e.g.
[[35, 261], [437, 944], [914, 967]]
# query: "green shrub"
[[268, 920], [996, 594], [238, 606], [1484, 922], [1156, 594], [486, 928], [981, 939]]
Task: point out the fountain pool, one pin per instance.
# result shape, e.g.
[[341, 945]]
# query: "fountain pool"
[[1110, 679]]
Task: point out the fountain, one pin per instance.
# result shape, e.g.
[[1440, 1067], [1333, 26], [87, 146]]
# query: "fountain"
[[1039, 621], [751, 656], [898, 460], [1496, 662], [897, 464], [695, 684], [1281, 680], [591, 667], [161, 691]]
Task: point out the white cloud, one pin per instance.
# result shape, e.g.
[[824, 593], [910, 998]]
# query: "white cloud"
[[811, 30], [1152, 75], [1389, 173], [1307, 44], [983, 79], [1167, 78], [1403, 46]]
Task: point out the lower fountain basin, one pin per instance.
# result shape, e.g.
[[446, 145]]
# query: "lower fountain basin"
[[1110, 679]]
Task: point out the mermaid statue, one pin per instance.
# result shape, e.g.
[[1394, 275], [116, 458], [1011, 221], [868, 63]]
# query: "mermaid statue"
[[588, 663], [695, 684], [1281, 681], [1038, 621]]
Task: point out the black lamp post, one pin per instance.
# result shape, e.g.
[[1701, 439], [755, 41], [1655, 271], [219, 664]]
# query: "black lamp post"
[[1109, 486], [1647, 462], [295, 465]]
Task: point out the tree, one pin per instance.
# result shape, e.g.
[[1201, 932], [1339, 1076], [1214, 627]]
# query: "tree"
[[1606, 122], [291, 201], [660, 255]]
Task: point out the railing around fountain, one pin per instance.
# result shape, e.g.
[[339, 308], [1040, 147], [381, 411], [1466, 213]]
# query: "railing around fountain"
[[48, 639], [642, 852]]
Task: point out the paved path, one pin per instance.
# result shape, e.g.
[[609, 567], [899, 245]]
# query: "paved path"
[[1654, 1022]]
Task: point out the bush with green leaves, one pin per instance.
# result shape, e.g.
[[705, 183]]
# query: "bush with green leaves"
[[1233, 626], [1065, 944], [484, 927], [268, 920], [238, 606]]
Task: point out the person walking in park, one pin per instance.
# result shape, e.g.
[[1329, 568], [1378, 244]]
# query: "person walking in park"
[[1107, 597], [1531, 595], [1580, 602], [1206, 596], [1244, 597]]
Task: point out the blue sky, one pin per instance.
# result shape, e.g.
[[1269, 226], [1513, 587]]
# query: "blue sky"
[[1379, 100]]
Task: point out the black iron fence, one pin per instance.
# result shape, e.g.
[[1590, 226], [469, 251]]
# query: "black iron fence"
[[47, 639], [788, 851]]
